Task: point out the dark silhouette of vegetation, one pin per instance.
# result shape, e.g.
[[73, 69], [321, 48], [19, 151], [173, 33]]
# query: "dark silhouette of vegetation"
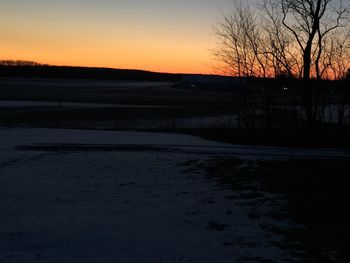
[[29, 69], [295, 55]]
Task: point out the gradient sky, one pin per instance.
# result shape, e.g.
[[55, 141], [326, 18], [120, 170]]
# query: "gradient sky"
[[158, 35]]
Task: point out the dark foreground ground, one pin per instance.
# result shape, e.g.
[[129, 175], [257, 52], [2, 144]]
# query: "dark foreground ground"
[[317, 195], [305, 196], [92, 196]]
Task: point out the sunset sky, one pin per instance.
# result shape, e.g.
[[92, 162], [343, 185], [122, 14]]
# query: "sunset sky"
[[158, 35]]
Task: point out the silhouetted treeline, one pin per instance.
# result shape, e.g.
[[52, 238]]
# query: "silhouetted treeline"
[[29, 69], [294, 104]]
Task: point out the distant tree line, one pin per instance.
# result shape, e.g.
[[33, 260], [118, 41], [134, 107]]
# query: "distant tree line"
[[29, 69], [20, 63]]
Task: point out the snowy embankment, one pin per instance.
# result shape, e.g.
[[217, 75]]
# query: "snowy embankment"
[[24, 104], [80, 140], [93, 196]]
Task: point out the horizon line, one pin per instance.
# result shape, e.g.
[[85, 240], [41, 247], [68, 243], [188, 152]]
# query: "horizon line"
[[35, 63]]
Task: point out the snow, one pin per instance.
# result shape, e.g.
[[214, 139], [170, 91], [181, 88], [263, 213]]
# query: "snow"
[[84, 83], [165, 142], [12, 137], [112, 202], [55, 104]]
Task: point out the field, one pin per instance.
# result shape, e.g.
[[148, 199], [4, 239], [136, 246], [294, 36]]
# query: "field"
[[109, 191], [136, 104]]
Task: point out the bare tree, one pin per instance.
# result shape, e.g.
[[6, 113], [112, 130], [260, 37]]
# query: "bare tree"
[[310, 22], [244, 51], [318, 30], [289, 36], [241, 47], [235, 53], [336, 59], [302, 39]]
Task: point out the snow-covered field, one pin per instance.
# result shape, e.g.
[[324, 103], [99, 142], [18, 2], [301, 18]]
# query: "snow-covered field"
[[98, 196], [50, 104], [20, 104]]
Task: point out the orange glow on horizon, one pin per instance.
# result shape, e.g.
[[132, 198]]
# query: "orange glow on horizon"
[[172, 61], [150, 47], [158, 35]]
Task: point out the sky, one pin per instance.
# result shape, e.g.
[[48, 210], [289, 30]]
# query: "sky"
[[158, 35]]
